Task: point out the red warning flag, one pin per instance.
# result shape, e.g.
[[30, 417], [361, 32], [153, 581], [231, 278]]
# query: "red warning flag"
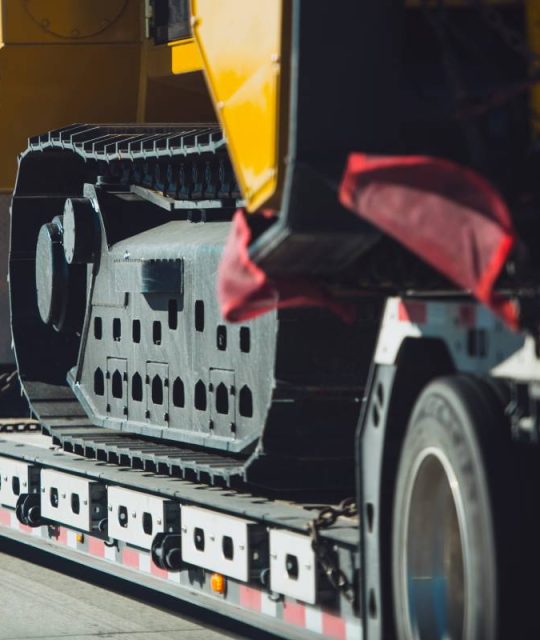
[[245, 291], [444, 213]]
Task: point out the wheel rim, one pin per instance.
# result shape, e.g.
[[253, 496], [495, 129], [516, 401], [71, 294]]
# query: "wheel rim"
[[434, 559]]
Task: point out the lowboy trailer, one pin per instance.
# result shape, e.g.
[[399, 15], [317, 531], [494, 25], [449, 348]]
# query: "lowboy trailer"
[[281, 331], [446, 382]]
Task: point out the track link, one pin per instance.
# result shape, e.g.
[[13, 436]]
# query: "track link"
[[188, 163]]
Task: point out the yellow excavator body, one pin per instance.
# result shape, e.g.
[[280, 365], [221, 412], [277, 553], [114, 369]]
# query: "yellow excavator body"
[[245, 76], [64, 61]]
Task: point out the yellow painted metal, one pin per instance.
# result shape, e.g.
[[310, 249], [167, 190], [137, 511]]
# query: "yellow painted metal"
[[49, 21], [162, 62], [533, 31], [172, 86], [241, 43], [80, 65], [48, 88], [185, 56]]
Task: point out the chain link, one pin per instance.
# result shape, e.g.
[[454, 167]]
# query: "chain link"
[[326, 557], [328, 516]]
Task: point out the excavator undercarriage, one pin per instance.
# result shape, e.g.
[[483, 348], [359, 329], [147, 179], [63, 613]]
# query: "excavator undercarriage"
[[124, 309]]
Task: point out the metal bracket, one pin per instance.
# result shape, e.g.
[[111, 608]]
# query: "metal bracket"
[[72, 500], [218, 542], [16, 478], [136, 517]]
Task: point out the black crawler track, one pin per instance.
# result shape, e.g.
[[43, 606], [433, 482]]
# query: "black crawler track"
[[274, 403], [183, 163]]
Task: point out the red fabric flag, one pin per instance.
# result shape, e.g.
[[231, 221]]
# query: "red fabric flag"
[[245, 291], [445, 214]]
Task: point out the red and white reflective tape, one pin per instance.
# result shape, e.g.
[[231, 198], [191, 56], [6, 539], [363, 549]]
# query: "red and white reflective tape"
[[5, 518], [142, 561], [301, 615], [412, 311], [466, 316], [295, 613], [451, 321], [9, 519], [96, 547]]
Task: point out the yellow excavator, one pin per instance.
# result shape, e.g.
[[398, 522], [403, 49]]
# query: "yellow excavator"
[[289, 248], [50, 53]]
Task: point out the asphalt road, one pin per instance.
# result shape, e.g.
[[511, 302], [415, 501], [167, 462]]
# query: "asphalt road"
[[56, 600]]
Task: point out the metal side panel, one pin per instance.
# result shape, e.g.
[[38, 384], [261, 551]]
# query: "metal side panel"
[[293, 516], [293, 568], [288, 619], [70, 499], [16, 478], [286, 616], [216, 542], [136, 518]]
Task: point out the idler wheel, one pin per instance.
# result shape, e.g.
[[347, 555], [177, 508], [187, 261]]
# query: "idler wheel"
[[51, 274], [81, 231], [60, 287]]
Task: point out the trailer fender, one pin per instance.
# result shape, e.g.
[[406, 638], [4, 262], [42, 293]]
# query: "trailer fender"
[[391, 394]]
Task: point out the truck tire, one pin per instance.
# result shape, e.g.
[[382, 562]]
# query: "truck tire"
[[451, 540]]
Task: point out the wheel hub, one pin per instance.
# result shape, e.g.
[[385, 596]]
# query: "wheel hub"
[[434, 562]]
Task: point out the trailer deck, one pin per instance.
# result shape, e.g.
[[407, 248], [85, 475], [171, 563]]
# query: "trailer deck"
[[241, 598]]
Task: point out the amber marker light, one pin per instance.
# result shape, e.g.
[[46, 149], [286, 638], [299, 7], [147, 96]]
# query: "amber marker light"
[[217, 583], [80, 537]]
